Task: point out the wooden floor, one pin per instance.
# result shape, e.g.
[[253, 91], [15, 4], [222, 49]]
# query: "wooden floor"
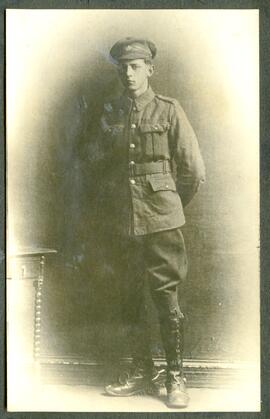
[[82, 398]]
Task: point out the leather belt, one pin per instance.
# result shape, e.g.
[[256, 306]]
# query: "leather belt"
[[163, 166]]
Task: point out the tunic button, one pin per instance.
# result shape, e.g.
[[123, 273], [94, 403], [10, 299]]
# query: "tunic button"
[[134, 108], [166, 186], [133, 125], [132, 181], [132, 145]]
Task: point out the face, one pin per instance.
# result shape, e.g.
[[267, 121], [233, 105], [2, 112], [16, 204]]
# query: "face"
[[134, 74]]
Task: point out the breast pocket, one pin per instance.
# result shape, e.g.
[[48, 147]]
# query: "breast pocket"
[[154, 139]]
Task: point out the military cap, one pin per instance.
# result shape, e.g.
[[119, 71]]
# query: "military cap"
[[132, 49]]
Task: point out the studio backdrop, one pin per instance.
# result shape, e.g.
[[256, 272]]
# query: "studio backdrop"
[[58, 76]]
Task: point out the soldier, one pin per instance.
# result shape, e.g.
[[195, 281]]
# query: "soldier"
[[151, 169]]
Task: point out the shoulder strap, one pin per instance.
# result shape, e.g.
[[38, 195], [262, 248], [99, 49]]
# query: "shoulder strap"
[[167, 99]]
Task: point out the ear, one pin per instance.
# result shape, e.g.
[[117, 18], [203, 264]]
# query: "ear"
[[151, 69]]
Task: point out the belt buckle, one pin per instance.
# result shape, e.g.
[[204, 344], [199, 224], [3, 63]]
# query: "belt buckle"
[[164, 166], [167, 166]]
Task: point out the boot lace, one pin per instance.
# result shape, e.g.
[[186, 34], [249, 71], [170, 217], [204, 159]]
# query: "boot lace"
[[128, 376]]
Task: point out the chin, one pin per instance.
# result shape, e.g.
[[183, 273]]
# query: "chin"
[[132, 88]]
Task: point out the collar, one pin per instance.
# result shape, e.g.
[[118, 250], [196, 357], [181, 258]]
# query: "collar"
[[141, 101]]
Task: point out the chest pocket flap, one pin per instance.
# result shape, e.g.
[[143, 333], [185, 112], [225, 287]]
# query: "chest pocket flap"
[[158, 127], [165, 183]]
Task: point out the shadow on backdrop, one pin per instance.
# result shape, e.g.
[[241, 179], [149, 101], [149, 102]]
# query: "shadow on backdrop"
[[52, 185]]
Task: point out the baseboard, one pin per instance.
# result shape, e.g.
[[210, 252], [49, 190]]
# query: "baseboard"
[[199, 373]]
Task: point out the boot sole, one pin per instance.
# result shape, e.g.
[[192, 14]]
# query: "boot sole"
[[178, 405], [134, 393], [152, 391]]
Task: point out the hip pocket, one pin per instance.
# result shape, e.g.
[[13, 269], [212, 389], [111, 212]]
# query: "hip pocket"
[[163, 196]]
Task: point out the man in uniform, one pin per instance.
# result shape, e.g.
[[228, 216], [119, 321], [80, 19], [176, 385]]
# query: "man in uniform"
[[151, 169]]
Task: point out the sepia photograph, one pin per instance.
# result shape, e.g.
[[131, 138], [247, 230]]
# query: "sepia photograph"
[[132, 175]]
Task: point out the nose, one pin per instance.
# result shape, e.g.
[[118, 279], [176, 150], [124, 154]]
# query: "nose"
[[128, 71]]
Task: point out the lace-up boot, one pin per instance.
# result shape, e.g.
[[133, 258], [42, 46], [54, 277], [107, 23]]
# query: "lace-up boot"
[[138, 381], [173, 340], [177, 395]]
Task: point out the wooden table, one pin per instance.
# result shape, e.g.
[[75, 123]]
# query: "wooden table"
[[25, 278]]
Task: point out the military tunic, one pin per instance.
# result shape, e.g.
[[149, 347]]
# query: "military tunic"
[[152, 163], [151, 167]]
